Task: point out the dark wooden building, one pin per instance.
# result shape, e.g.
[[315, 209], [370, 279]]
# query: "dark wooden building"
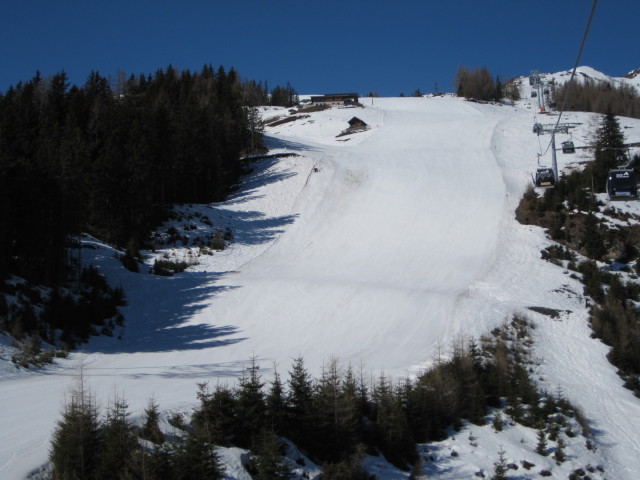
[[344, 98], [356, 124]]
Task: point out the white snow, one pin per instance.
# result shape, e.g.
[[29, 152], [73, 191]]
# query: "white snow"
[[378, 251], [585, 72]]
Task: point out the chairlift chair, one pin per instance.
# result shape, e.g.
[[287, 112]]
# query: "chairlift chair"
[[534, 94], [568, 147], [545, 178]]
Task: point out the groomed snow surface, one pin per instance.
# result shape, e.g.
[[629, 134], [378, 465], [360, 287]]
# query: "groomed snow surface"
[[379, 249]]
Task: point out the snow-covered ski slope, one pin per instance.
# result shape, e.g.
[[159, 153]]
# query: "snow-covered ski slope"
[[379, 249], [342, 275]]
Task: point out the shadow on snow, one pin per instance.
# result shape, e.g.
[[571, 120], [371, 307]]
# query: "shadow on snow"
[[274, 143], [259, 174], [158, 312], [161, 311]]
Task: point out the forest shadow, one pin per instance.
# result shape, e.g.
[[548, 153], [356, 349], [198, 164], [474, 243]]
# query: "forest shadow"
[[158, 312], [258, 175], [161, 311], [274, 143], [255, 228]]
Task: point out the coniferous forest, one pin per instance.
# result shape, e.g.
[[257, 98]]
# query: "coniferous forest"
[[333, 420], [599, 97], [107, 159]]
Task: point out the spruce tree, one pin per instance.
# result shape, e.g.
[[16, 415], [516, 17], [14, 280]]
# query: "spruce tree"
[[276, 406], [250, 406], [500, 468], [592, 239], [610, 152], [75, 446], [118, 445], [393, 435], [541, 447], [559, 455], [335, 414], [151, 429], [197, 458], [354, 408], [300, 400], [216, 417], [267, 459]]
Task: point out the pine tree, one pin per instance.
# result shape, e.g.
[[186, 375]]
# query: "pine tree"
[[393, 434], [75, 446], [349, 468], [541, 447], [335, 414], [354, 399], [256, 129], [216, 416], [559, 455], [118, 445], [498, 422], [267, 459], [151, 429], [300, 400], [276, 406], [610, 152], [197, 459], [499, 92], [160, 463], [500, 468], [250, 406], [592, 239]]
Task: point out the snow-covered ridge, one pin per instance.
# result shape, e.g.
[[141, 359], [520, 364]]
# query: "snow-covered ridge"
[[633, 74], [587, 73]]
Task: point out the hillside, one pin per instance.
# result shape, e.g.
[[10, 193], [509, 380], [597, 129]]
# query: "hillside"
[[583, 73], [380, 249]]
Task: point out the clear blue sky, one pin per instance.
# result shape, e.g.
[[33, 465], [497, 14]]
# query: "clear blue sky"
[[390, 47]]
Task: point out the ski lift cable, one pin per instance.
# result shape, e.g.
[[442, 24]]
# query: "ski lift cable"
[[575, 67]]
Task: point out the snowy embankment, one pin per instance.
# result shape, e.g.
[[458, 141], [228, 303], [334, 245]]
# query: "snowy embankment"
[[380, 248]]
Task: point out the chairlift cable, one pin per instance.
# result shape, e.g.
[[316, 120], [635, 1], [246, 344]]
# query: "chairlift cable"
[[575, 67]]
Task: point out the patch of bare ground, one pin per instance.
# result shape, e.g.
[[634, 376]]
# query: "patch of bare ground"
[[549, 312], [281, 121]]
